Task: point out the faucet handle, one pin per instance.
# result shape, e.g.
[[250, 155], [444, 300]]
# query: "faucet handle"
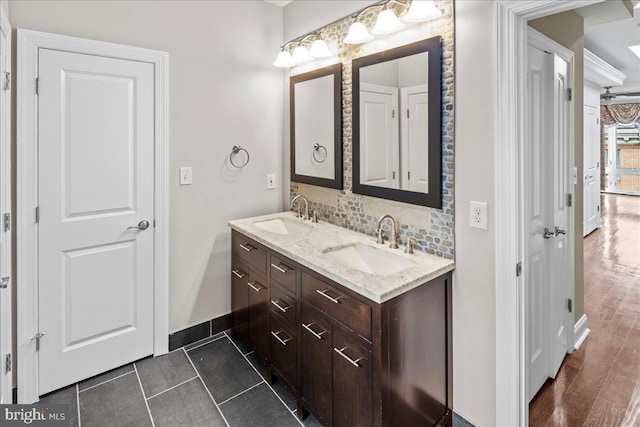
[[410, 245], [298, 212], [314, 216], [381, 235]]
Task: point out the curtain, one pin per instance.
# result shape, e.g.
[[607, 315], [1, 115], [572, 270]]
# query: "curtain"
[[624, 114]]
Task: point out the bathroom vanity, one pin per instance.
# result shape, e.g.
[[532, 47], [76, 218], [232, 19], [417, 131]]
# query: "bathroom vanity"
[[360, 333]]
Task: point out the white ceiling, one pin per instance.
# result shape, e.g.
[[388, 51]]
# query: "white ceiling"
[[281, 3], [609, 30]]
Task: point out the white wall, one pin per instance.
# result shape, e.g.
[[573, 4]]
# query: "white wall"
[[474, 285], [223, 91]]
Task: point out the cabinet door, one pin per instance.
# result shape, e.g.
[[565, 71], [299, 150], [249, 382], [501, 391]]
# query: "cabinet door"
[[258, 315], [316, 363], [283, 352], [351, 382], [240, 298]]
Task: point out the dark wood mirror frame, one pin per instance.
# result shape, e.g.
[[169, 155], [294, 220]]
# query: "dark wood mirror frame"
[[336, 71], [434, 197]]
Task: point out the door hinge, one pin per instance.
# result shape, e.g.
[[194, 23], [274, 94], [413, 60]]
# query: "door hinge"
[[409, 175], [407, 114], [7, 363], [37, 337], [569, 200], [519, 269], [570, 305], [4, 282], [154, 223], [7, 221], [37, 214], [394, 174], [7, 81], [393, 114], [569, 94], [598, 208], [37, 85]]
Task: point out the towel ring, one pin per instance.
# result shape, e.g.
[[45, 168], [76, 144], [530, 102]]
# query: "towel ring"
[[235, 150], [317, 147]]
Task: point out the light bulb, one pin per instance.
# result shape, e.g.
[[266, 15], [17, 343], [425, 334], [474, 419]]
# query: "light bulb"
[[301, 55], [319, 49], [284, 60]]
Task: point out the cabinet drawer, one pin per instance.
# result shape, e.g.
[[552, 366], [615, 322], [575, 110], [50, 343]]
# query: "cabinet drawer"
[[353, 313], [283, 351], [283, 305], [283, 273], [248, 250]]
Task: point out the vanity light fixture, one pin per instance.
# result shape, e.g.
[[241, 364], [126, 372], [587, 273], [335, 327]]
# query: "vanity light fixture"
[[284, 60], [319, 49], [422, 11], [387, 23], [357, 34], [301, 55]]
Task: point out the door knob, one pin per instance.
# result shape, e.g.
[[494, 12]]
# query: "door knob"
[[142, 225], [548, 234], [558, 231]]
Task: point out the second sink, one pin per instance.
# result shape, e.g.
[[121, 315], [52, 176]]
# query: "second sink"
[[283, 226], [369, 259]]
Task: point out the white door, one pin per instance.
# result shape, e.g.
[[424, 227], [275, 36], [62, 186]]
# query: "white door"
[[547, 183], [536, 181], [380, 156], [6, 218], [560, 246], [96, 148], [415, 133], [591, 149]]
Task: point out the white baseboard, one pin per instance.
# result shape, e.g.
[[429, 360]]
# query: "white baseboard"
[[580, 331]]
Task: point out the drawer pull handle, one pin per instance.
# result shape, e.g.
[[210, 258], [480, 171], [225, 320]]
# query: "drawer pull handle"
[[324, 294], [282, 309], [251, 285], [315, 334], [281, 267], [239, 273], [283, 342], [248, 247], [350, 360]]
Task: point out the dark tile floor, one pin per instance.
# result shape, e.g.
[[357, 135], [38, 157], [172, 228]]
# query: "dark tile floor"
[[210, 383], [599, 384]]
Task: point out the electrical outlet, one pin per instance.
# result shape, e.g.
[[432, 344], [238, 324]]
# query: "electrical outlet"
[[478, 215], [271, 181], [186, 176]]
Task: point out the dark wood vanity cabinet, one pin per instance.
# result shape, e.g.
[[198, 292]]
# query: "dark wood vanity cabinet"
[[347, 359]]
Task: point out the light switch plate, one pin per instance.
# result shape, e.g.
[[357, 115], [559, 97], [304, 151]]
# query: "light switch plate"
[[478, 215], [186, 176], [271, 181]]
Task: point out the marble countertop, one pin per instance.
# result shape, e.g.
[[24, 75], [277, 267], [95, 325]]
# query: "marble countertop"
[[309, 248]]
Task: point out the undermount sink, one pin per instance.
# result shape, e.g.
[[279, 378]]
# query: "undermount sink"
[[283, 226], [369, 259]]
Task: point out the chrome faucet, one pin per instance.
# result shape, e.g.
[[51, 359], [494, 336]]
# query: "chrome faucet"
[[306, 205], [394, 232]]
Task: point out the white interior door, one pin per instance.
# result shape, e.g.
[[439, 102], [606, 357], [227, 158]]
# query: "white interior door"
[[591, 163], [6, 219], [96, 179], [547, 183], [380, 155], [560, 246], [536, 181], [415, 134]]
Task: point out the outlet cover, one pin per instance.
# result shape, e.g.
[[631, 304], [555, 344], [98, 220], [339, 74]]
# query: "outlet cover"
[[271, 181], [186, 176], [478, 215]]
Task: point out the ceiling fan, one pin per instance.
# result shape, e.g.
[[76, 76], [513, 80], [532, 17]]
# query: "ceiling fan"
[[607, 96]]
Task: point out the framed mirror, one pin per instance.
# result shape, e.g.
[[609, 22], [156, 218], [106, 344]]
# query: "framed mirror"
[[397, 126], [316, 127]]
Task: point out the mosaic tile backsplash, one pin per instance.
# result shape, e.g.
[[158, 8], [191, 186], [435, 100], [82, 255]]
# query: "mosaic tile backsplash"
[[432, 228]]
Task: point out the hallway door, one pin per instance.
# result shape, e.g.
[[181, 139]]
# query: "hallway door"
[[547, 185], [6, 281], [591, 156], [96, 213]]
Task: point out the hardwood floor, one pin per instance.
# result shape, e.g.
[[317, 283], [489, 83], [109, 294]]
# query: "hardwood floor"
[[599, 385]]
